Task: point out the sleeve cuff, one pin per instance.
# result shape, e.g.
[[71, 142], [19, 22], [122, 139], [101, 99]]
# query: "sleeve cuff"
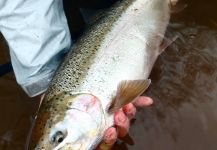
[[39, 86]]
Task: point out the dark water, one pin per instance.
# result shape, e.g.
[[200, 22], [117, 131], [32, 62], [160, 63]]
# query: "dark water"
[[184, 88]]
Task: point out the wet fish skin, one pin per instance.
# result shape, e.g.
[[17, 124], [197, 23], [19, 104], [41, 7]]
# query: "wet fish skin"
[[122, 46]]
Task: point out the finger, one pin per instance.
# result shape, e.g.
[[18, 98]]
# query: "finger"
[[129, 110], [109, 139], [122, 123], [143, 101]]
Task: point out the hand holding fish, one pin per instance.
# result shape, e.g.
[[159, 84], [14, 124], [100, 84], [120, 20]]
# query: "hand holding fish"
[[122, 122]]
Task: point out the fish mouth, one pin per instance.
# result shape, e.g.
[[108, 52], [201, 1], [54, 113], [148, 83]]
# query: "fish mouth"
[[69, 146]]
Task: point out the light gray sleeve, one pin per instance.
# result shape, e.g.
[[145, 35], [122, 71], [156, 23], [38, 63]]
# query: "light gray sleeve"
[[38, 37]]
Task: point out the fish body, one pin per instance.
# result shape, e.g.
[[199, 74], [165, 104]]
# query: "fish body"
[[107, 68]]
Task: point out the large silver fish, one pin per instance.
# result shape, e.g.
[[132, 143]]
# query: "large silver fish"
[[106, 69]]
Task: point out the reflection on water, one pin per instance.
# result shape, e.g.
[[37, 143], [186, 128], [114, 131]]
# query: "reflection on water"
[[184, 87], [16, 111]]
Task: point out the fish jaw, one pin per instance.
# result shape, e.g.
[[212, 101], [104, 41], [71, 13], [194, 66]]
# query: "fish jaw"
[[81, 126]]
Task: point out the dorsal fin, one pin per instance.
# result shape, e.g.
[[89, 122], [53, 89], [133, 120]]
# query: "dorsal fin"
[[127, 91]]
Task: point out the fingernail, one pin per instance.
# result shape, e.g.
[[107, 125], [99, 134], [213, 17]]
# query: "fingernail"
[[108, 137], [149, 101], [121, 118]]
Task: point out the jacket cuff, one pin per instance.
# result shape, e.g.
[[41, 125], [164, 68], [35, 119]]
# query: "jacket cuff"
[[39, 86]]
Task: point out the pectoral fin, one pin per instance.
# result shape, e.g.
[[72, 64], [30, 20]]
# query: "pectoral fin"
[[127, 91]]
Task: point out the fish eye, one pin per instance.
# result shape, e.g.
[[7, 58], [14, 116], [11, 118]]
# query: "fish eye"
[[58, 137]]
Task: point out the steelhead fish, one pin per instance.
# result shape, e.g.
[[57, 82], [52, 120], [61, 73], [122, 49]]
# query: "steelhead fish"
[[107, 68]]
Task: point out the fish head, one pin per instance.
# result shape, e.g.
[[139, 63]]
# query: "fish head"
[[69, 121]]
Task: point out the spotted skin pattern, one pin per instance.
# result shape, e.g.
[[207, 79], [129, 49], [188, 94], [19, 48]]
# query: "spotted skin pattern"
[[78, 61], [73, 70], [122, 45]]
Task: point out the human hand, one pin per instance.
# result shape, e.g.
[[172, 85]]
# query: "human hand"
[[122, 122]]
